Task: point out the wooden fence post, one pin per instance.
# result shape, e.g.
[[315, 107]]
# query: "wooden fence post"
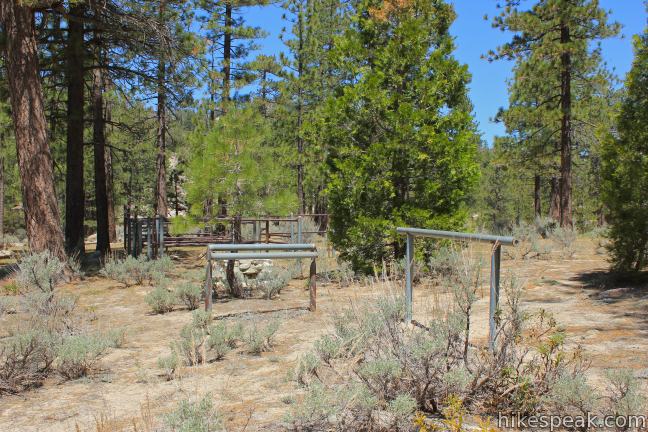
[[313, 285]]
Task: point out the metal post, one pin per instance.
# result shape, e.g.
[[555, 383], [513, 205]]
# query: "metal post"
[[409, 268], [313, 285], [149, 237], [208, 282], [494, 294], [254, 230], [267, 224]]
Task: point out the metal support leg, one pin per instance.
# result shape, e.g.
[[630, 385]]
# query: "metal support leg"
[[494, 294], [409, 269], [313, 285]]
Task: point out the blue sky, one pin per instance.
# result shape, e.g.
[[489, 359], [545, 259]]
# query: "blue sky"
[[474, 37]]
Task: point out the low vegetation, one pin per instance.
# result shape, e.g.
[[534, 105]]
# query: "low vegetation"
[[50, 334]]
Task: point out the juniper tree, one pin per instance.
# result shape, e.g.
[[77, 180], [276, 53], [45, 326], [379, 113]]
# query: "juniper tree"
[[400, 132], [557, 69], [625, 169]]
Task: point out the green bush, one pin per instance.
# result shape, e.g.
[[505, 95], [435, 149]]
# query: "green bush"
[[160, 300], [78, 354], [259, 338], [190, 294], [194, 416], [40, 271], [169, 364], [270, 280], [137, 271], [26, 359]]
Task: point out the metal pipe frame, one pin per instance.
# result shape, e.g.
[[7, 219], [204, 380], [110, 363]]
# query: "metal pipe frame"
[[228, 252], [452, 235], [225, 256], [259, 246], [496, 256]]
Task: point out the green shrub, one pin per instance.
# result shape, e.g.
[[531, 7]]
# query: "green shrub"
[[194, 416], [78, 354], [259, 338], [270, 280], [40, 271], [137, 271], [190, 294], [169, 364], [565, 239], [160, 300], [26, 359], [115, 338]]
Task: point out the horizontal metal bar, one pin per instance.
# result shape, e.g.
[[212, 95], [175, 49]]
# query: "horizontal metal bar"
[[452, 235], [260, 246], [262, 255]]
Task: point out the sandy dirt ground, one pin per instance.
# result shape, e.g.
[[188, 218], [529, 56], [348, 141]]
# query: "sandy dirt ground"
[[254, 392]]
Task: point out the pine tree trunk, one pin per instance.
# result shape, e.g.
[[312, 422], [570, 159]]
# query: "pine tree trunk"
[[227, 54], [537, 204], [161, 192], [32, 147], [554, 199], [565, 132], [2, 186], [74, 191], [235, 287], [110, 191], [99, 147]]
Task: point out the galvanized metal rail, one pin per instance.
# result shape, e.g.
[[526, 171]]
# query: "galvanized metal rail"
[[238, 251], [496, 255]]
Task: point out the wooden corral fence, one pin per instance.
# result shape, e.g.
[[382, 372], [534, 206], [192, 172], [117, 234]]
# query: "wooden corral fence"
[[151, 235]]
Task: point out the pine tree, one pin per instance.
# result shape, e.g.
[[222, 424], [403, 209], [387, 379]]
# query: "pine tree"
[[551, 47], [401, 136], [625, 169], [30, 126]]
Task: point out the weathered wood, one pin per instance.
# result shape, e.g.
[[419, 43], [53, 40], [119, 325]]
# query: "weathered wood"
[[312, 284]]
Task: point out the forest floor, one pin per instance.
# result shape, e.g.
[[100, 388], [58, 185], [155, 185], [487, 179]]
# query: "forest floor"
[[253, 392]]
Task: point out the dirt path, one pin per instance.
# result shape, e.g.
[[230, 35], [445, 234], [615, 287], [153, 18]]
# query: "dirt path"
[[255, 390]]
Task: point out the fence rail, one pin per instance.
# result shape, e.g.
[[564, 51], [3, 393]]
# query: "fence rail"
[[151, 235], [496, 255]]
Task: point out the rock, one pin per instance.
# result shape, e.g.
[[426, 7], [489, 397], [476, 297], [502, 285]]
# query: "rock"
[[5, 253], [601, 251], [244, 265], [613, 293], [92, 238], [252, 271]]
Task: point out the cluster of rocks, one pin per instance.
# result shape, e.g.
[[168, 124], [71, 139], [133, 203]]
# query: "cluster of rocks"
[[244, 271]]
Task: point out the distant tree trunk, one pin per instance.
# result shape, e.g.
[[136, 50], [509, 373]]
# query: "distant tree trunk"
[[227, 54], [300, 141], [74, 191], [161, 192], [2, 186], [565, 131], [32, 147], [235, 287], [537, 204], [99, 147], [554, 199], [110, 192]]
